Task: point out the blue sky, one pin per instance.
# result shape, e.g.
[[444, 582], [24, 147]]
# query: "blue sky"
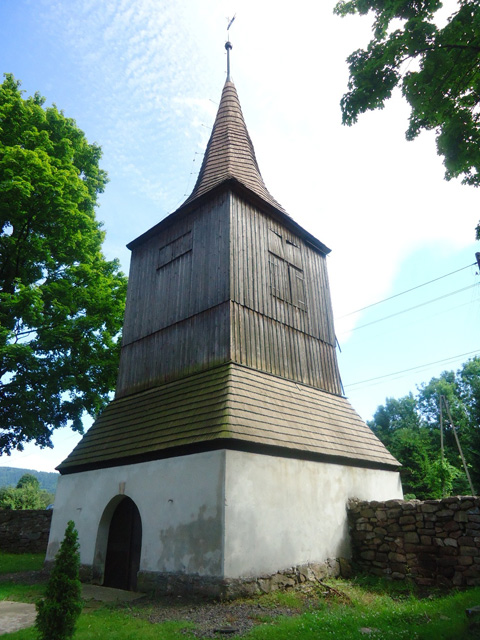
[[143, 79]]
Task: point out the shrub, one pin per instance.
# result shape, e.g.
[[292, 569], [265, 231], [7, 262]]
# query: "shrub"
[[58, 612]]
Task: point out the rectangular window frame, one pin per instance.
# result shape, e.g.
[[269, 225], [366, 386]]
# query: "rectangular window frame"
[[175, 249], [287, 282]]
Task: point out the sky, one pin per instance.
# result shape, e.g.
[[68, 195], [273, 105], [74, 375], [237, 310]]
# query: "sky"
[[143, 78]]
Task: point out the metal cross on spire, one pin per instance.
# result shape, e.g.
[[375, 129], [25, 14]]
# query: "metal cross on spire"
[[228, 46]]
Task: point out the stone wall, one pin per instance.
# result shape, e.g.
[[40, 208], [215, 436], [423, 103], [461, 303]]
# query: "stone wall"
[[434, 542], [230, 588], [24, 531]]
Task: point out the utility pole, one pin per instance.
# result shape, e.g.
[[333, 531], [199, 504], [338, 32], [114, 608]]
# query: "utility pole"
[[447, 407], [441, 442]]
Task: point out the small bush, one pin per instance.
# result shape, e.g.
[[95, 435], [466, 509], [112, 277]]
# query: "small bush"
[[58, 612]]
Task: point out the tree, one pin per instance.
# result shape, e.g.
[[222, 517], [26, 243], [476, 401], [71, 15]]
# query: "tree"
[[442, 86], [399, 427], [61, 301], [26, 495], [468, 385], [28, 480], [58, 612], [447, 385], [410, 428], [440, 477], [394, 415]]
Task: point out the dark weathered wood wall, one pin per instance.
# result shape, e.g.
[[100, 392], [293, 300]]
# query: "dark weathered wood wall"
[[159, 296], [263, 343], [252, 253], [272, 331], [177, 313], [196, 344], [227, 283]]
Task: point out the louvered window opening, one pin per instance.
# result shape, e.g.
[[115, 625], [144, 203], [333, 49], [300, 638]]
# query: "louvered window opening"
[[287, 280], [175, 249]]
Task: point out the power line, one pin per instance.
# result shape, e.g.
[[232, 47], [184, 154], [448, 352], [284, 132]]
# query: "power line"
[[421, 366], [417, 306], [351, 313], [396, 329]]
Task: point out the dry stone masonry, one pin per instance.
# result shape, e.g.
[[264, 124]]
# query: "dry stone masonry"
[[24, 531], [228, 589], [432, 542]]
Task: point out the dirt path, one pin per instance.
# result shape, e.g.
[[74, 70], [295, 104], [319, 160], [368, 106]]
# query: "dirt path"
[[15, 616]]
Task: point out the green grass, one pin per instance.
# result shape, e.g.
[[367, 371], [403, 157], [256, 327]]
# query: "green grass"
[[380, 618], [116, 625], [21, 592], [365, 609], [12, 562], [15, 590]]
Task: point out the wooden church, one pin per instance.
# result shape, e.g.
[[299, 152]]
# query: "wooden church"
[[229, 453]]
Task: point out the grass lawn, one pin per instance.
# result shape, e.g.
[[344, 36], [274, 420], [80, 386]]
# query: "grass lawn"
[[11, 562], [114, 625], [21, 592], [15, 590], [355, 609], [379, 616]]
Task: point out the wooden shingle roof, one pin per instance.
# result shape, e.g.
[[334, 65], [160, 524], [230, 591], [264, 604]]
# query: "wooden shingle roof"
[[228, 407], [230, 154], [230, 163]]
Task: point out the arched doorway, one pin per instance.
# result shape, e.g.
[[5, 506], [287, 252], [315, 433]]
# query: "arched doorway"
[[124, 546]]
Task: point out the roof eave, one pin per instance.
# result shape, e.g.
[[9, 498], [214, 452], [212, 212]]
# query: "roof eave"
[[229, 444], [252, 197]]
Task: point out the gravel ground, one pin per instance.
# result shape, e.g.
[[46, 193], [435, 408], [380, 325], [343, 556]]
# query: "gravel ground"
[[216, 619], [234, 618]]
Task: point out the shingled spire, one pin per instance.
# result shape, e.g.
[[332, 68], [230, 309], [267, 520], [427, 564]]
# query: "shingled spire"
[[230, 155]]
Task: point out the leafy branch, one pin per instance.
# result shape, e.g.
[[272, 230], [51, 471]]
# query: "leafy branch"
[[443, 94]]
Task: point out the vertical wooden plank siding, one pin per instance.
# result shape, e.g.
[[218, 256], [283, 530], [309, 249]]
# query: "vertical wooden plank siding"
[[270, 333], [288, 353], [195, 281], [177, 312], [195, 344], [179, 319]]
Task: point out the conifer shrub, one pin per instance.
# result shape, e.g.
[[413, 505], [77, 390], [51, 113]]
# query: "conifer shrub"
[[58, 612]]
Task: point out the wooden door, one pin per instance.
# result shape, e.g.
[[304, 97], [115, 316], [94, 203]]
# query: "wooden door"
[[124, 547]]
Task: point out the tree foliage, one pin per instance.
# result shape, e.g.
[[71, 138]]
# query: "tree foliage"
[[26, 495], [58, 612], [410, 428], [442, 85], [61, 301], [28, 480]]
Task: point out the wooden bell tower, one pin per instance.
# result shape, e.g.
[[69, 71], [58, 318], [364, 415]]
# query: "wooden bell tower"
[[229, 381]]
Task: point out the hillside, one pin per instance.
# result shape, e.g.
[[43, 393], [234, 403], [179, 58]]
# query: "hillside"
[[9, 476]]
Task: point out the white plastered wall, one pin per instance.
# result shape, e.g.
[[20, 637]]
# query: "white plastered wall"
[[180, 501], [222, 513], [283, 512]]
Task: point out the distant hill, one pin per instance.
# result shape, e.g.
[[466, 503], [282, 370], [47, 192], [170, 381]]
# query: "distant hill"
[[9, 476]]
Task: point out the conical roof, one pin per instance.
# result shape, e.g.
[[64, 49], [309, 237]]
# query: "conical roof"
[[230, 154]]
